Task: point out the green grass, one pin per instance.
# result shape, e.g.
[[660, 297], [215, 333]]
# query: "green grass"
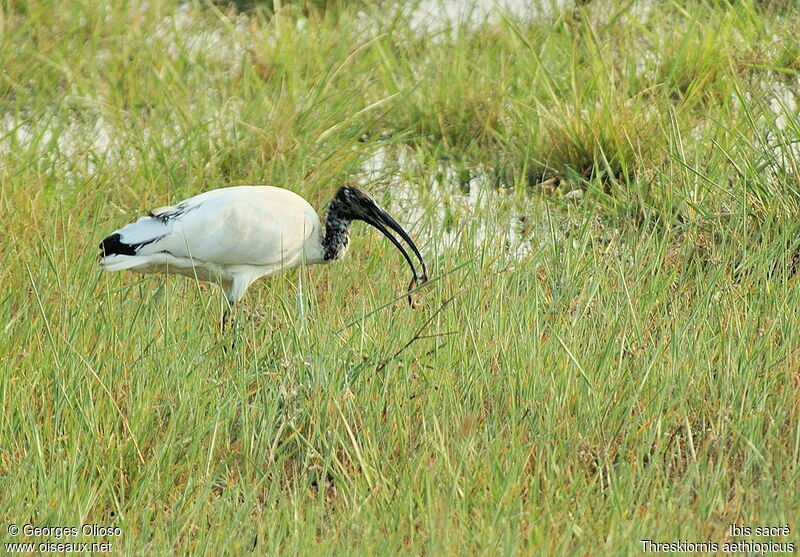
[[632, 374]]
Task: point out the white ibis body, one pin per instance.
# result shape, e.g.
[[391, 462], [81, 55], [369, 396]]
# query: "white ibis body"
[[237, 235]]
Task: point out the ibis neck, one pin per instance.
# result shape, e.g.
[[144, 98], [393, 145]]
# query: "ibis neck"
[[334, 244]]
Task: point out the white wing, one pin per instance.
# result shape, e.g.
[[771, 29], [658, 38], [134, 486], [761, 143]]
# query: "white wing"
[[243, 225]]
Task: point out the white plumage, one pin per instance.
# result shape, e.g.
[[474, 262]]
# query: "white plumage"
[[234, 236]]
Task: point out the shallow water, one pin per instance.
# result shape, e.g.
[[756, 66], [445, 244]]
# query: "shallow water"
[[453, 208], [434, 16], [83, 143]]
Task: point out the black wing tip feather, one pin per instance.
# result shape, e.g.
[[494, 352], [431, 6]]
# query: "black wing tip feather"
[[112, 245]]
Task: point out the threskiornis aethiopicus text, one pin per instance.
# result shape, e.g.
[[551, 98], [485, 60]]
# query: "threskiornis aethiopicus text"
[[237, 235]]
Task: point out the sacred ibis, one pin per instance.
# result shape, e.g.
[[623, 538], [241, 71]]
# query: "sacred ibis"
[[234, 236]]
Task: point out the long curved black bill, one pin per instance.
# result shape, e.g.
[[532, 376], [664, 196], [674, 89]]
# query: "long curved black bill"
[[380, 219]]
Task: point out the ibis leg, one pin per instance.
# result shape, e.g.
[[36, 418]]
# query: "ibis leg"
[[227, 318], [228, 323]]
